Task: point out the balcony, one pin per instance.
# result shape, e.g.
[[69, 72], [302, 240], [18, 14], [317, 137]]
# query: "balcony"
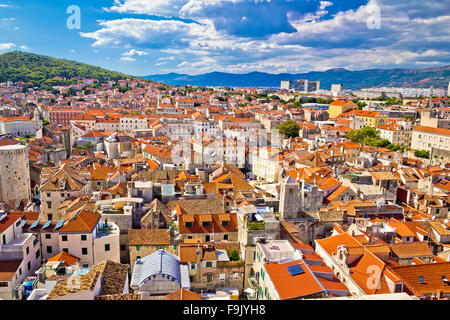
[[109, 229]]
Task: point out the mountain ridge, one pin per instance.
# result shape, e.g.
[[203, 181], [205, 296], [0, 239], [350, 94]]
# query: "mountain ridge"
[[437, 77], [40, 69]]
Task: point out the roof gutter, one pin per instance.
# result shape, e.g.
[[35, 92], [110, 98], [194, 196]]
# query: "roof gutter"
[[325, 290]]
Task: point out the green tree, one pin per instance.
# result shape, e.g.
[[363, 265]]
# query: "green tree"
[[363, 133], [361, 105], [233, 254], [289, 128], [422, 154], [410, 117]]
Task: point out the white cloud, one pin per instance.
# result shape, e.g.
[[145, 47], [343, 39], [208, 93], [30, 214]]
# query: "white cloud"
[[166, 58], [7, 46], [409, 35], [129, 59], [134, 52]]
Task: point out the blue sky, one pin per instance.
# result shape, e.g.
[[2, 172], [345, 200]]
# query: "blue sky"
[[142, 37]]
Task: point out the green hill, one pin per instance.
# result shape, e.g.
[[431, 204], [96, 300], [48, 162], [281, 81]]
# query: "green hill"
[[28, 67]]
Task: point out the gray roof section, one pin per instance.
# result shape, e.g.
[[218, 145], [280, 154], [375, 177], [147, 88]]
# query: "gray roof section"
[[185, 281], [159, 262], [167, 189]]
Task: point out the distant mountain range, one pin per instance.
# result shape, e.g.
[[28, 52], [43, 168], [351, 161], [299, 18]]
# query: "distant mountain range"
[[438, 77]]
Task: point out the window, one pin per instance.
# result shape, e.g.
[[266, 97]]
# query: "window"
[[4, 239], [83, 237], [18, 223], [206, 224], [123, 247], [29, 265], [193, 266], [49, 249], [421, 280], [38, 254], [84, 251], [64, 238], [85, 266], [207, 238], [66, 250], [138, 248], [225, 223], [3, 284], [28, 250], [225, 237], [107, 247], [49, 204], [208, 264], [209, 278], [188, 224], [20, 271], [48, 236]]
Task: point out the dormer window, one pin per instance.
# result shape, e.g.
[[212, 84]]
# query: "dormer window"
[[225, 223], [206, 224], [188, 224], [444, 278], [398, 287]]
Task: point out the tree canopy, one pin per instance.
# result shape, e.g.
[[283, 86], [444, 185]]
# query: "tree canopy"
[[289, 128], [42, 70]]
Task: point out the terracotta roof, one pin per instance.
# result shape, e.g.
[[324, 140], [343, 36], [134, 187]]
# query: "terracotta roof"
[[113, 277], [208, 205], [8, 269], [216, 225], [331, 244], [183, 294], [68, 259], [7, 221], [83, 221], [291, 287], [148, 236], [411, 249], [431, 273], [433, 130]]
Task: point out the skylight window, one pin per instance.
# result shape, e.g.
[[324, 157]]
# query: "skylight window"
[[421, 280]]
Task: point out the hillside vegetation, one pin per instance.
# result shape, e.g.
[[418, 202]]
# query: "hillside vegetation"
[[27, 67]]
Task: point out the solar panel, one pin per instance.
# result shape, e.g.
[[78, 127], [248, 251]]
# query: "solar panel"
[[34, 224], [46, 225], [59, 224], [295, 270]]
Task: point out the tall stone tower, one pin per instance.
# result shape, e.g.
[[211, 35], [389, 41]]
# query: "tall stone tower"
[[14, 174], [289, 198]]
